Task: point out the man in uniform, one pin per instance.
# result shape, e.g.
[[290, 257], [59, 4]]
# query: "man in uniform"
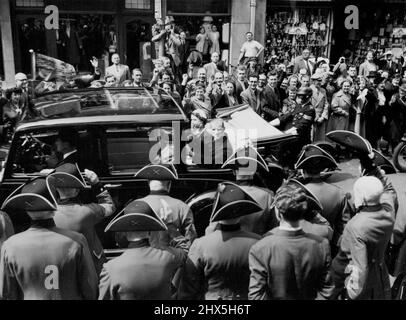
[[248, 162], [299, 121], [217, 265], [142, 272], [359, 270], [313, 160], [44, 262], [66, 183], [6, 227], [289, 263], [173, 212], [66, 144]]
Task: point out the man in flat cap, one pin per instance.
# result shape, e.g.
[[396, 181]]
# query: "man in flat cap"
[[289, 263], [142, 272], [217, 265], [66, 184], [44, 262], [359, 270], [312, 161]]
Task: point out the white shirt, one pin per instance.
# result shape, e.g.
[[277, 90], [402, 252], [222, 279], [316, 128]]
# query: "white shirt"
[[251, 48], [290, 228], [68, 154]]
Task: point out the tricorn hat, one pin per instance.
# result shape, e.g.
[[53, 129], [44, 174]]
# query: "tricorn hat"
[[232, 202], [350, 140], [138, 216], [67, 175], [318, 158], [31, 196], [157, 172], [327, 147], [316, 162], [381, 161], [246, 160]]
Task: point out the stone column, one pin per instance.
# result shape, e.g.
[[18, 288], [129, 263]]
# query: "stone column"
[[246, 16], [7, 43]]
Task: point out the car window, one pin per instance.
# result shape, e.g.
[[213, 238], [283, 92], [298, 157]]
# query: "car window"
[[94, 102], [35, 150], [131, 148]]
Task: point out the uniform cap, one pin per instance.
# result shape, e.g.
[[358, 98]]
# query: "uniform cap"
[[32, 196], [350, 140], [232, 202], [138, 216], [157, 172], [314, 155], [246, 159], [383, 163]]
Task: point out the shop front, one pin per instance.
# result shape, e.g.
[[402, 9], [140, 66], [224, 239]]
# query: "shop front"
[[87, 28], [205, 22], [293, 26], [382, 27]]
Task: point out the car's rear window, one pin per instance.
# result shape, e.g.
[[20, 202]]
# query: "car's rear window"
[[104, 101]]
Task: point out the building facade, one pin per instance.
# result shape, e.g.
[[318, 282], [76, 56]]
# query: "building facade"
[[99, 28]]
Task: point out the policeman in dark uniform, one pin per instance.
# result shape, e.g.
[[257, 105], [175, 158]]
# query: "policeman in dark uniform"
[[44, 262], [334, 201], [299, 121], [66, 183], [217, 265], [141, 272], [175, 213]]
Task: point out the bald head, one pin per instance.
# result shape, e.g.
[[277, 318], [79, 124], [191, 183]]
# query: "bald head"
[[21, 80], [115, 58], [367, 191]]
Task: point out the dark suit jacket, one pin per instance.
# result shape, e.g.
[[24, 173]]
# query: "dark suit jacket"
[[335, 206], [184, 51], [290, 265], [272, 100], [300, 63], [217, 265], [47, 263], [255, 101], [394, 68], [239, 89], [140, 273], [72, 158]]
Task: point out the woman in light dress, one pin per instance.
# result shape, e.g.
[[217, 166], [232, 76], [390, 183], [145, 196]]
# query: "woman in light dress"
[[214, 37]]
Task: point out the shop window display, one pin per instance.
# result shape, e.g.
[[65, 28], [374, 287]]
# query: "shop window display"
[[210, 40], [290, 30], [383, 30], [79, 38]]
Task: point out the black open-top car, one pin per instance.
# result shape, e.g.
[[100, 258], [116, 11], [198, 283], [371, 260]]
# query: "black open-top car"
[[119, 129]]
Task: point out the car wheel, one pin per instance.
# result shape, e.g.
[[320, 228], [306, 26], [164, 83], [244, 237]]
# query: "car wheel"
[[399, 157]]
